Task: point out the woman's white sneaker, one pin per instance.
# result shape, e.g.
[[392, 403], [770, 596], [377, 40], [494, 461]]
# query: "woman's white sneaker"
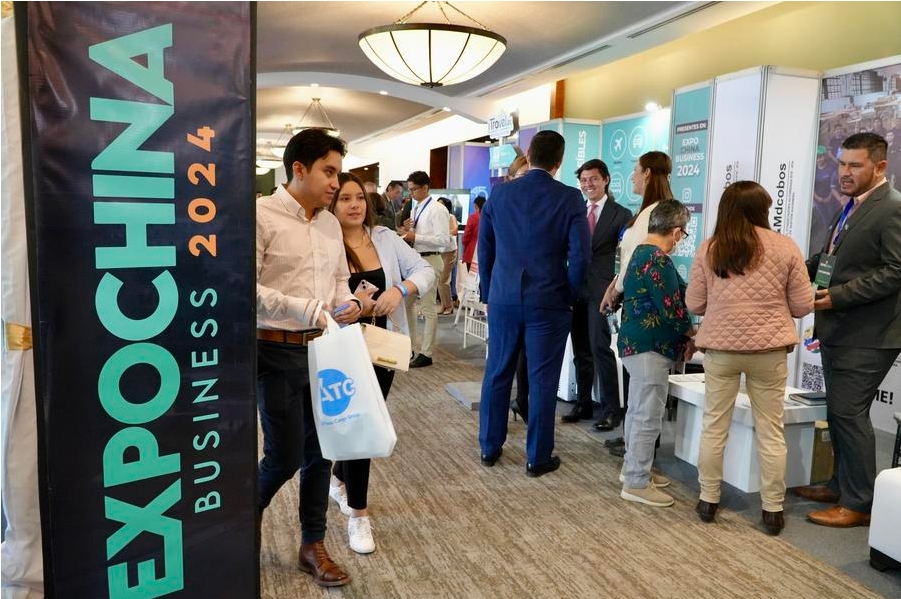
[[339, 495], [359, 534]]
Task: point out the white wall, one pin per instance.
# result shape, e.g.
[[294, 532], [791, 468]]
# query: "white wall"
[[401, 155]]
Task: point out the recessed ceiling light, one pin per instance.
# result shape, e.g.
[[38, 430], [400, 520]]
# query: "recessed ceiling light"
[[652, 106], [383, 93], [446, 109], [314, 85]]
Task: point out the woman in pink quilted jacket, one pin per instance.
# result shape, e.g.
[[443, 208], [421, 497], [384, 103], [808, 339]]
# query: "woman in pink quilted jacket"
[[748, 282]]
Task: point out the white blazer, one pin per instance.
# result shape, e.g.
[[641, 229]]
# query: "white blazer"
[[400, 262]]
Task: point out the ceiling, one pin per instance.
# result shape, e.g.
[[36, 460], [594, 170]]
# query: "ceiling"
[[304, 43]]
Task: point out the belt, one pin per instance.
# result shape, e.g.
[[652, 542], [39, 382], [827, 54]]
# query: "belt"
[[429, 253], [290, 337]]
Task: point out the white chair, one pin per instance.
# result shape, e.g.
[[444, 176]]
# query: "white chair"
[[469, 296], [885, 522]]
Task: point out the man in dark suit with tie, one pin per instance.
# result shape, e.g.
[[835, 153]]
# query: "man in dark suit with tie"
[[858, 323], [591, 333], [533, 251]]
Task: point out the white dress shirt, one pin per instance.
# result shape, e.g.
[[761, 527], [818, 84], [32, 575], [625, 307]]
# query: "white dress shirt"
[[597, 212], [301, 263], [431, 223]]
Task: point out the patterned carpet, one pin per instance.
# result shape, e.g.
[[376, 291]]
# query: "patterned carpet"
[[447, 527]]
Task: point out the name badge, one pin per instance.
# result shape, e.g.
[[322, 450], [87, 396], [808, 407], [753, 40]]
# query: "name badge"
[[616, 260], [824, 271]]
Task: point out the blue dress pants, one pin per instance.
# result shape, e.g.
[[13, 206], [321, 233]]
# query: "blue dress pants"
[[542, 332]]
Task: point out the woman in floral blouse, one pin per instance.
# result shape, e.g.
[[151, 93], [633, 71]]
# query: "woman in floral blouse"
[[654, 334]]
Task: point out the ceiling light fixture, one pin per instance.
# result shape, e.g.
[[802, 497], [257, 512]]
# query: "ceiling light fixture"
[[432, 54], [314, 117]]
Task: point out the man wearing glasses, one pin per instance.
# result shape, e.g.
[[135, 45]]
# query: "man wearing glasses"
[[428, 231]]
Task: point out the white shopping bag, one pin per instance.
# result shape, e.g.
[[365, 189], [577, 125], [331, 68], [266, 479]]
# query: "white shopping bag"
[[348, 407]]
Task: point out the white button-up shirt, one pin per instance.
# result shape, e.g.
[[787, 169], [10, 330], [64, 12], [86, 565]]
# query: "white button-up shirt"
[[301, 263]]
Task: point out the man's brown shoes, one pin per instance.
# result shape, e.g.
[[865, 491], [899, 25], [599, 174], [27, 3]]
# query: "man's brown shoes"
[[314, 559], [839, 517], [821, 493]]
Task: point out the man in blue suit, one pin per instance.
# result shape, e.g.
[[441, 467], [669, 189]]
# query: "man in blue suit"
[[533, 251]]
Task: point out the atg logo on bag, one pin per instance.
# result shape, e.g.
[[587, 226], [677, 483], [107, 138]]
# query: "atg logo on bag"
[[335, 391]]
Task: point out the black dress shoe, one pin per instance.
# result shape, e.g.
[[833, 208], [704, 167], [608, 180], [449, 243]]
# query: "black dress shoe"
[[578, 413], [773, 522], [420, 361], [517, 411], [489, 460], [607, 423], [535, 470], [617, 450], [706, 510], [615, 442]]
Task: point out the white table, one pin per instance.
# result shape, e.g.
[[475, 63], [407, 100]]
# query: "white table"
[[740, 466]]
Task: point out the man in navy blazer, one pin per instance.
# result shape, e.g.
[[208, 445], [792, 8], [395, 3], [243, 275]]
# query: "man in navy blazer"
[[533, 251]]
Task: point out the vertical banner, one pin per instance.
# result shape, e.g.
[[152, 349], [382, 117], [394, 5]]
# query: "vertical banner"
[[140, 144], [623, 142], [786, 162], [583, 142], [854, 99], [691, 144], [734, 139]]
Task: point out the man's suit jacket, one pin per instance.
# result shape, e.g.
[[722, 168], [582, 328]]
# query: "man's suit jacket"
[[533, 243], [866, 281], [612, 220]]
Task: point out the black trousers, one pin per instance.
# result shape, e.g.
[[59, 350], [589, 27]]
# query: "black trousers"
[[290, 441], [355, 473], [593, 357]]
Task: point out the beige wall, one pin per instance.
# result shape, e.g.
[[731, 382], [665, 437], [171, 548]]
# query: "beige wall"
[[809, 35]]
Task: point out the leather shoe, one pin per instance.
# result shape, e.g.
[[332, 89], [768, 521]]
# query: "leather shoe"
[[773, 522], [578, 413], [489, 460], [536, 470], [706, 510], [614, 442], [821, 493], [617, 450], [420, 361], [839, 517], [314, 559], [607, 423]]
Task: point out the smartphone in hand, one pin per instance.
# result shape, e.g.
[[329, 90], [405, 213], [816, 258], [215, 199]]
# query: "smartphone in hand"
[[366, 287]]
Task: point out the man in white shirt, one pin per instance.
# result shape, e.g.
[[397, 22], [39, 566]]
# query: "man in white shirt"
[[301, 274], [428, 231]]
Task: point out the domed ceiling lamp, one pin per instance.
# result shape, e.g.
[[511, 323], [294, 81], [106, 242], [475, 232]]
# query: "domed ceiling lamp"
[[315, 117], [432, 54]]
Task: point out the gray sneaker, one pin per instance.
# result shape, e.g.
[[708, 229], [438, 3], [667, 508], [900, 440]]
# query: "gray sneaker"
[[649, 495]]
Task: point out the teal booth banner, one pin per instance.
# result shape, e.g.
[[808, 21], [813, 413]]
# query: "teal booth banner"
[[691, 146], [138, 144], [624, 140], [583, 139]]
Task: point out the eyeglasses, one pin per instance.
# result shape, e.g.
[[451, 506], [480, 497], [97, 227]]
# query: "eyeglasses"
[[684, 232]]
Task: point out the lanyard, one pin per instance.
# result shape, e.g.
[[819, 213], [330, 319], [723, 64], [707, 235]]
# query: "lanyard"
[[419, 211], [841, 221]]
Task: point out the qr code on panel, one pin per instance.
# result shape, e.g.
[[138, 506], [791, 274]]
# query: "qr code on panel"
[[812, 377]]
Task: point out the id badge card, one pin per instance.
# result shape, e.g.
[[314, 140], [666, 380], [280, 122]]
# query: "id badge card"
[[617, 257], [824, 271]]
